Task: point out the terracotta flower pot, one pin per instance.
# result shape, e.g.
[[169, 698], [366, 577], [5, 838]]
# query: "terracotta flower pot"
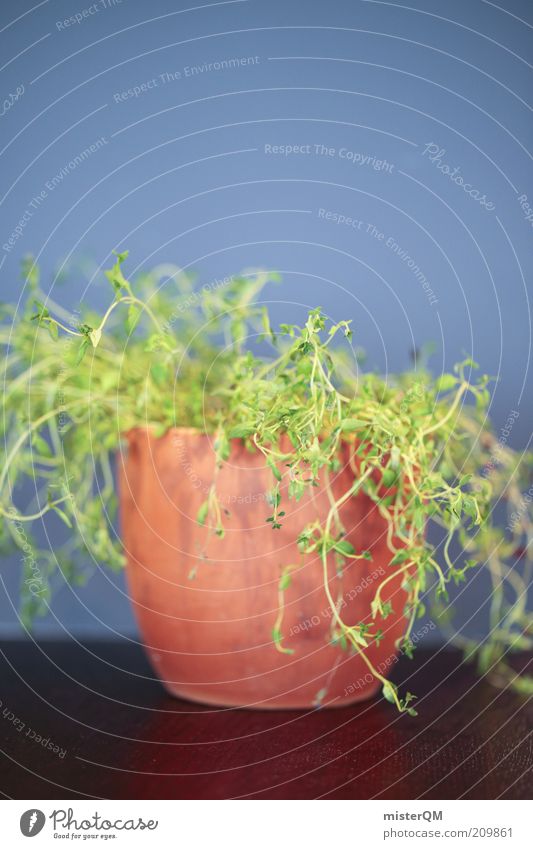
[[210, 638]]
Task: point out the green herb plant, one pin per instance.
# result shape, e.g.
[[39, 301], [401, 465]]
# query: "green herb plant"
[[164, 355]]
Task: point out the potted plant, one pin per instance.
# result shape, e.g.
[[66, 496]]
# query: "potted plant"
[[276, 502]]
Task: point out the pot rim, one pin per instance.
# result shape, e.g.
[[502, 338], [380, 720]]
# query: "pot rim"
[[148, 429]]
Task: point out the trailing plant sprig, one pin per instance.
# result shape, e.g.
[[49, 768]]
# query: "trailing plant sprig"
[[166, 356]]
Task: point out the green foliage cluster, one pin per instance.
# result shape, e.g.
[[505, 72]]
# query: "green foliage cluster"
[[168, 356]]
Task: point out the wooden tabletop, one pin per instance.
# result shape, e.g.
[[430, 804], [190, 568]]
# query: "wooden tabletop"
[[89, 720]]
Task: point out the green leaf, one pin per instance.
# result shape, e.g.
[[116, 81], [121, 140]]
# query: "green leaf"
[[389, 691], [41, 445], [482, 399], [389, 477], [222, 446], [63, 516], [523, 684], [241, 431], [386, 609], [265, 321], [201, 516], [358, 637], [42, 311], [344, 547], [82, 350], [155, 342], [400, 557], [53, 330], [296, 489], [134, 314], [349, 425], [160, 374], [420, 518], [445, 382], [469, 363], [274, 497], [470, 507], [115, 275]]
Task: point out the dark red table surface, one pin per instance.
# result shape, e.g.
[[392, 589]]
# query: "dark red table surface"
[[122, 737]]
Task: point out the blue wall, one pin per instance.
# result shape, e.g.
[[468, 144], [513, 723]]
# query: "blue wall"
[[193, 166]]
